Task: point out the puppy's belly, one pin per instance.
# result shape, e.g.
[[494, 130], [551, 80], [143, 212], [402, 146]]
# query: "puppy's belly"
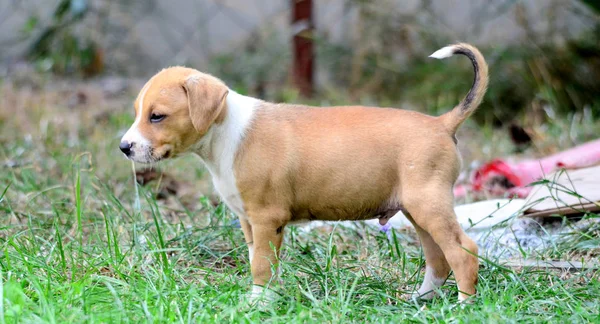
[[383, 211]]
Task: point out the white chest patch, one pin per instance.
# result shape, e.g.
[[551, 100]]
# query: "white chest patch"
[[221, 143], [227, 189]]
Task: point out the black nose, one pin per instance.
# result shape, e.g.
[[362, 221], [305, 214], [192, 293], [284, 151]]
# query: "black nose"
[[125, 147]]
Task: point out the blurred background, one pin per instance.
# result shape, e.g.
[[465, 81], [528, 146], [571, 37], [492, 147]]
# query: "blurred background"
[[541, 52], [70, 69]]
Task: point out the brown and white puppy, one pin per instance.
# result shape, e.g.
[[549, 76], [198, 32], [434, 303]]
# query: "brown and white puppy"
[[275, 164]]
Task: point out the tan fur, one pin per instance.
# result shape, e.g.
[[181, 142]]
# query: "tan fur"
[[206, 99], [191, 99], [299, 163]]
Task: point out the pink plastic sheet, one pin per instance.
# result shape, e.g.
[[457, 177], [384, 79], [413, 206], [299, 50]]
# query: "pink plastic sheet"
[[503, 178]]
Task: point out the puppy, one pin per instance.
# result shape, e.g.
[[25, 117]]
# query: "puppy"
[[276, 164]]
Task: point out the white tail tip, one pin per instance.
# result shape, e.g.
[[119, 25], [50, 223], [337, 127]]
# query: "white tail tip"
[[443, 53]]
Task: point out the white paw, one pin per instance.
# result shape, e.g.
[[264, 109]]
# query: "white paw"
[[427, 294], [465, 299], [418, 295], [261, 296]]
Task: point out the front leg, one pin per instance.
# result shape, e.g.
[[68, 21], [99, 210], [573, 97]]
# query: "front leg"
[[267, 236], [247, 230]]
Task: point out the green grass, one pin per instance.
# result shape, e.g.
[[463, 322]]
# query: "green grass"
[[76, 249]]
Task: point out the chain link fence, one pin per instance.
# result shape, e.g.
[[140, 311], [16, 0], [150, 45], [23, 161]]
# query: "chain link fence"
[[374, 50], [137, 36]]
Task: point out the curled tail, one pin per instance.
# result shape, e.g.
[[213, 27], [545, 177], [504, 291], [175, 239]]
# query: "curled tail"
[[467, 106]]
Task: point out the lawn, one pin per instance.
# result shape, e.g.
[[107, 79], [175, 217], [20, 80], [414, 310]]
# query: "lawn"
[[81, 244]]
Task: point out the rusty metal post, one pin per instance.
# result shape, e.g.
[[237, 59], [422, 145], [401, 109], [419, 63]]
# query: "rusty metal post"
[[302, 31]]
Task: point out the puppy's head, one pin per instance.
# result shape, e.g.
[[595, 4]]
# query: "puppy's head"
[[174, 109]]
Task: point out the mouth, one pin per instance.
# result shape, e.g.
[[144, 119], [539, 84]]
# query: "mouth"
[[149, 155], [153, 158], [145, 158]]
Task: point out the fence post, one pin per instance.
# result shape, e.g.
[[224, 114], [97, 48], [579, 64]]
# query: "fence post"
[[302, 31]]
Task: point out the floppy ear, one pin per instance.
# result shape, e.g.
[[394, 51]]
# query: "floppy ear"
[[206, 100]]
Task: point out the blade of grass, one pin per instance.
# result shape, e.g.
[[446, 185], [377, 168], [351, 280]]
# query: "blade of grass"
[[5, 190]]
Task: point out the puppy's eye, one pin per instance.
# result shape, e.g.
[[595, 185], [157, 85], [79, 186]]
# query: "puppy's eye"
[[155, 118]]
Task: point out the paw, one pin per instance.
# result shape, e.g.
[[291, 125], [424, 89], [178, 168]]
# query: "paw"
[[421, 295], [261, 296], [465, 299]]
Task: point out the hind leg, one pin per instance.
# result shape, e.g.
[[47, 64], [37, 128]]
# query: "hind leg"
[[431, 208], [436, 266]]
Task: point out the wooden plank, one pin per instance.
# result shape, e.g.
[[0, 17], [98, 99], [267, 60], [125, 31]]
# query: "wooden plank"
[[483, 215], [568, 192], [564, 211], [542, 264]]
